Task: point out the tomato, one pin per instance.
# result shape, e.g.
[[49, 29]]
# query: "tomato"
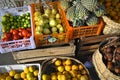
[[20, 29], [15, 32], [28, 29], [5, 39], [16, 37], [24, 33], [29, 34], [8, 35], [20, 34], [11, 31]]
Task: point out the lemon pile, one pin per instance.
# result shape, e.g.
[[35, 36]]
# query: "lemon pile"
[[29, 73], [67, 70]]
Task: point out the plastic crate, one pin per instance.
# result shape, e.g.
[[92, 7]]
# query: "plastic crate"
[[19, 68], [42, 40], [81, 31], [21, 44]]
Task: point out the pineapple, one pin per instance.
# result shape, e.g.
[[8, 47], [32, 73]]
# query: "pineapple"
[[64, 4], [71, 13], [100, 11], [81, 12], [90, 4], [92, 20]]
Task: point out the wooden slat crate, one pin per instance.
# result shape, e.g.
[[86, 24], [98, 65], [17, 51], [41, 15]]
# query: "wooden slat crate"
[[87, 45], [44, 53]]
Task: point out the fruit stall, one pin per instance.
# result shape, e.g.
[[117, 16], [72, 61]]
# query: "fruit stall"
[[60, 39]]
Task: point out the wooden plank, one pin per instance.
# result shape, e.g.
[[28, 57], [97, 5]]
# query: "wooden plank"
[[39, 58], [32, 55], [89, 47], [95, 39]]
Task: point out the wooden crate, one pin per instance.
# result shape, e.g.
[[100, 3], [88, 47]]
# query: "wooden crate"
[[87, 45], [44, 53]]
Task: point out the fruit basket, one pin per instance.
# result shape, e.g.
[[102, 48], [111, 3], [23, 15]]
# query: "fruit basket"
[[54, 31], [16, 29], [20, 71], [106, 59], [65, 68]]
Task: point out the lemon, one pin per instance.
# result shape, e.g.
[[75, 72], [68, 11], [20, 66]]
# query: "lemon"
[[31, 68], [17, 76], [53, 77], [8, 78], [26, 70], [44, 77], [68, 68], [12, 73], [60, 68], [36, 72], [58, 62], [80, 67], [68, 62], [74, 67], [29, 75], [23, 75]]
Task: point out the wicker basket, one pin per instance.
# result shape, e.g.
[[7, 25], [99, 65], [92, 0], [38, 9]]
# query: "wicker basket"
[[47, 66], [111, 27], [103, 72]]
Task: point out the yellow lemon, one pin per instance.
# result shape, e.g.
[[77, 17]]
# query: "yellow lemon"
[[31, 68], [8, 78], [26, 70], [12, 73], [17, 76], [74, 67], [60, 68], [58, 62], [53, 77], [68, 68], [23, 75], [36, 72], [29, 75], [68, 62], [80, 67]]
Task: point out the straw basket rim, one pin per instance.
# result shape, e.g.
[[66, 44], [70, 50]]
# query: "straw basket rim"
[[103, 72]]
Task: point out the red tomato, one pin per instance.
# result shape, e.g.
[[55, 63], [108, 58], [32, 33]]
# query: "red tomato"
[[20, 29], [5, 39], [16, 37], [15, 32], [28, 29], [24, 33], [8, 35], [29, 34], [20, 34], [12, 30]]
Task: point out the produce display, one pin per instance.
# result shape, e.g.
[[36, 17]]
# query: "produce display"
[[64, 69], [15, 27], [48, 21], [29, 72], [83, 12], [112, 9], [111, 55]]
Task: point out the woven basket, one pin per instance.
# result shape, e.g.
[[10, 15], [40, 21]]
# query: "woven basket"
[[103, 72], [47, 66], [111, 27]]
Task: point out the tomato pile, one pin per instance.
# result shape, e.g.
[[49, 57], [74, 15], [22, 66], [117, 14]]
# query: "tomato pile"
[[16, 34], [15, 27]]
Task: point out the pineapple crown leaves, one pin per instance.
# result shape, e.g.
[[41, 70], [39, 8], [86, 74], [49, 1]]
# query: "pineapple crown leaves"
[[92, 20], [81, 11], [90, 4], [100, 11]]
